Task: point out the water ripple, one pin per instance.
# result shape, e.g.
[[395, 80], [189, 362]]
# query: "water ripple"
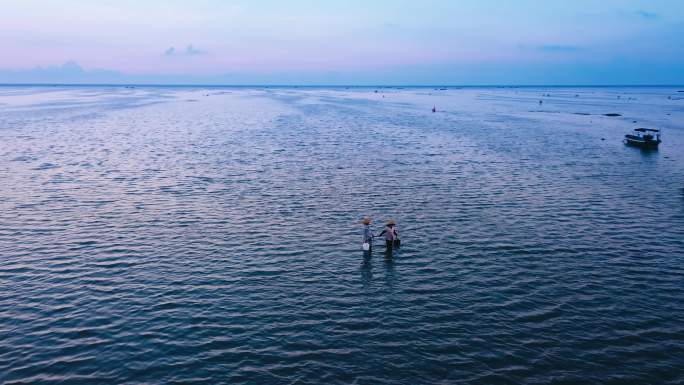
[[145, 239]]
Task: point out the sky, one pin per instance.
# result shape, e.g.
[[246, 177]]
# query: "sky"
[[352, 42]]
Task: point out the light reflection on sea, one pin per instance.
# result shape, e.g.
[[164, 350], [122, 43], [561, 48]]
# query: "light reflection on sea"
[[207, 235]]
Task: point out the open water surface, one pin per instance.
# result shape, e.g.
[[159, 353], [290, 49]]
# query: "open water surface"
[[212, 235]]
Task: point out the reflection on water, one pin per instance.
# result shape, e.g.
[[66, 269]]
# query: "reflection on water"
[[178, 235], [367, 270], [389, 269]]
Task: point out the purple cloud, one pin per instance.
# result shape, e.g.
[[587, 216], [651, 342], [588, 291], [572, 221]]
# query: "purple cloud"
[[190, 50]]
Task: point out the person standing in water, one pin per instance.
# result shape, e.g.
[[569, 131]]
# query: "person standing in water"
[[367, 232], [390, 234]]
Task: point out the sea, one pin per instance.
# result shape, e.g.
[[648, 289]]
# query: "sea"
[[208, 235]]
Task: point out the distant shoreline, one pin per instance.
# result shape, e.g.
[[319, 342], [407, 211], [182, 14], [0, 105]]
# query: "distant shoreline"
[[152, 85]]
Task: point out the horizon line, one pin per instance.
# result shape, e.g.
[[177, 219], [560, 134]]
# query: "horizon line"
[[264, 85]]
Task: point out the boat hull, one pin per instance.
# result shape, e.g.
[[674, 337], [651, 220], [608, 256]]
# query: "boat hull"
[[636, 141]]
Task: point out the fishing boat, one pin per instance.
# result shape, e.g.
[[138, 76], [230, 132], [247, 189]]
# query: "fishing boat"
[[644, 138]]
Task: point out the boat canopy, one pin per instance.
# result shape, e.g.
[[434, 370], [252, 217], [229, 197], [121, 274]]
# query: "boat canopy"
[[646, 130]]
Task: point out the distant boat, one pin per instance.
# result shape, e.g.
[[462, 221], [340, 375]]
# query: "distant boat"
[[644, 138]]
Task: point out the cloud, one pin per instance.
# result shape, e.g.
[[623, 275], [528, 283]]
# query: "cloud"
[[190, 50], [550, 48], [559, 48], [647, 14], [69, 72]]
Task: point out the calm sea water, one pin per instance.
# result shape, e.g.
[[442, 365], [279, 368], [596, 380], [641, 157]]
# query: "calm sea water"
[[181, 235]]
